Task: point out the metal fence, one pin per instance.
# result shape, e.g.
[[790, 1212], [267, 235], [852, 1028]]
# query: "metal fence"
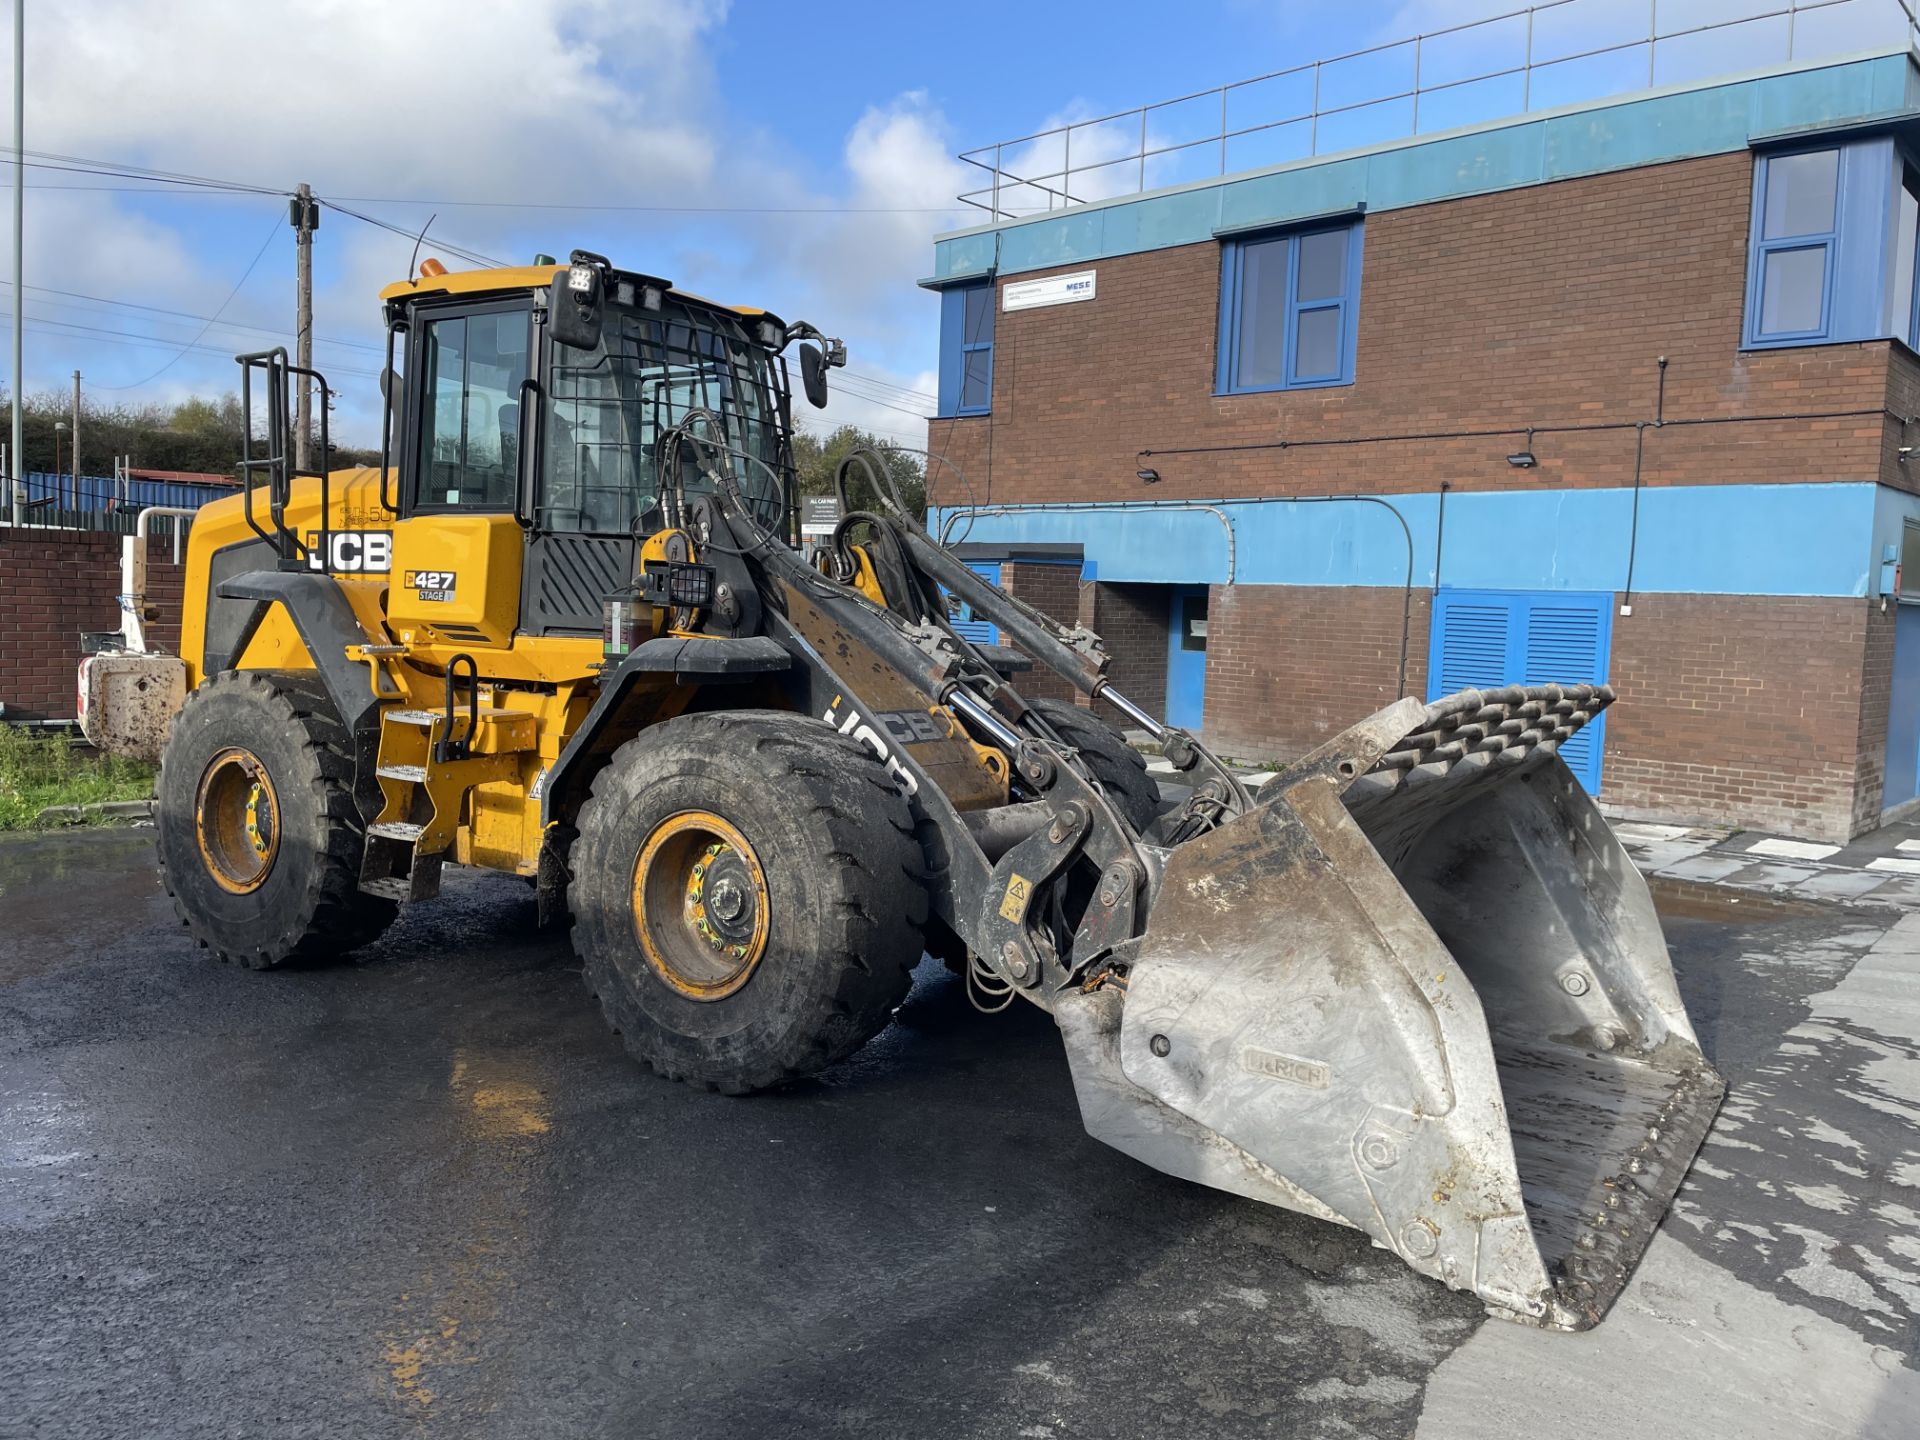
[[106, 503], [1560, 52]]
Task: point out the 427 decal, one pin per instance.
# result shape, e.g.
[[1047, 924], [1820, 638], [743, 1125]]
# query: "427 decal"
[[433, 585]]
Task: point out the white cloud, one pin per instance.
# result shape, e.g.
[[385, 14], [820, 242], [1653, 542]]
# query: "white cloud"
[[427, 98], [612, 101]]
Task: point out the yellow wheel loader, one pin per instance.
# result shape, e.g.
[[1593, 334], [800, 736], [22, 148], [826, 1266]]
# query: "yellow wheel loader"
[[1413, 985]]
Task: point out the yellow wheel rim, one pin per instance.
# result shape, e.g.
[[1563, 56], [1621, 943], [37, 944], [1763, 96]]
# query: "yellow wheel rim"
[[237, 820], [700, 905]]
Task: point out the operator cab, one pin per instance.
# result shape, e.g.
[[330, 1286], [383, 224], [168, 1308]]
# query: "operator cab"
[[536, 407]]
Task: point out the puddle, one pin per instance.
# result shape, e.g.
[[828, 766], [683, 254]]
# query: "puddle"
[[1685, 900]]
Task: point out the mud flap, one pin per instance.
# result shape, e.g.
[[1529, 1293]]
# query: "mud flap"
[[1422, 991]]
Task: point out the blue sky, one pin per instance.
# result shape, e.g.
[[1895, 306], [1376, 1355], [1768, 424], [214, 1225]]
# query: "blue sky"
[[811, 145]]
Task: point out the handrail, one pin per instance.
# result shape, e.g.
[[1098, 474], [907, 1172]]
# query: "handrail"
[[1057, 185]]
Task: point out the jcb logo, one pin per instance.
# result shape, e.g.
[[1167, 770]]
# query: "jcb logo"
[[359, 552], [863, 732]]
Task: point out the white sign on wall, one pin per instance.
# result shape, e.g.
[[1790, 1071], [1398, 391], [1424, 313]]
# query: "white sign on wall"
[[1054, 290]]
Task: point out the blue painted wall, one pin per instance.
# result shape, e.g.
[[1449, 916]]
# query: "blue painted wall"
[[1529, 150], [1903, 712], [1817, 539]]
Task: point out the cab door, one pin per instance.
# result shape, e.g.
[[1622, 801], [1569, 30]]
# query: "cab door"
[[458, 550]]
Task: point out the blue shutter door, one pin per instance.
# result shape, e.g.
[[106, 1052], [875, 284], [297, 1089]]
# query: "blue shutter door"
[[1566, 645], [978, 632], [1483, 639], [1471, 643]]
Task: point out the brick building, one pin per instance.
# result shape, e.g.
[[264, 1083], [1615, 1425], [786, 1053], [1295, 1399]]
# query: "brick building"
[[1619, 391]]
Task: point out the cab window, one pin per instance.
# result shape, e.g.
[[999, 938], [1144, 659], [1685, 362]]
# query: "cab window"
[[611, 406], [472, 367]]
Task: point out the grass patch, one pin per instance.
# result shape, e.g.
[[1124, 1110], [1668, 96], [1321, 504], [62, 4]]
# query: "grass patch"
[[41, 770]]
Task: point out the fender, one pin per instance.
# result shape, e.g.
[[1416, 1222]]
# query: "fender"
[[327, 626], [698, 660]]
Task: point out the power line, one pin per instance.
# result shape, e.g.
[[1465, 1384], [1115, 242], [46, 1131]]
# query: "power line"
[[475, 256], [68, 329], [84, 165], [184, 315], [831, 428], [859, 394], [906, 390], [246, 275]]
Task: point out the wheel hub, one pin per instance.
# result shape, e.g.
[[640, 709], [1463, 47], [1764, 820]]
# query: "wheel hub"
[[237, 820], [700, 905]]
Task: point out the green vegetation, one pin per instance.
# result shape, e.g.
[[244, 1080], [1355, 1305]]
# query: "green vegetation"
[[41, 770], [195, 435], [816, 459]]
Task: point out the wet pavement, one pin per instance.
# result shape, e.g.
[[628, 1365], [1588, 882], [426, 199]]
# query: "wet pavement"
[[427, 1193]]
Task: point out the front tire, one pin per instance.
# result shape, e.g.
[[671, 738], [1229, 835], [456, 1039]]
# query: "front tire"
[[258, 835], [1120, 769], [748, 897]]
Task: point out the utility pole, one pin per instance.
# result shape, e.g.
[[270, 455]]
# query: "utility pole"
[[76, 439], [304, 215], [18, 484]]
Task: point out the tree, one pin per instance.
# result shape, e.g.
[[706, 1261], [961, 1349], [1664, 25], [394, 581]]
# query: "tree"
[[197, 435], [817, 459]]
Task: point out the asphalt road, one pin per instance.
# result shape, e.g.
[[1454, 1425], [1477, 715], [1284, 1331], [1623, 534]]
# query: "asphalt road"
[[427, 1193]]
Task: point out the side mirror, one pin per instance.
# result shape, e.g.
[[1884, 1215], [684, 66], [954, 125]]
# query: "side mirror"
[[813, 375], [573, 307]]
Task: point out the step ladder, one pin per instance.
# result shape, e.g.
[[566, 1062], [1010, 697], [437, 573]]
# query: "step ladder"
[[428, 760]]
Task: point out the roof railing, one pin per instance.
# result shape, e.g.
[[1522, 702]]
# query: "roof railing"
[[1554, 53]]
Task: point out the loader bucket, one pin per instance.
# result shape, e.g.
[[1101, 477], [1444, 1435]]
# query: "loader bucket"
[[1420, 990]]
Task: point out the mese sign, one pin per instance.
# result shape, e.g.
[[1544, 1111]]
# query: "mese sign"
[[1054, 290]]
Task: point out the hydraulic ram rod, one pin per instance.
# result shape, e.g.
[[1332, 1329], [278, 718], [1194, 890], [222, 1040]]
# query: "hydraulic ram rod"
[[1038, 637], [1030, 630]]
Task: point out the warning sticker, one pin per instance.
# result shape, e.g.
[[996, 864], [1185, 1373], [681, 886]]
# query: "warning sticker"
[[1013, 906]]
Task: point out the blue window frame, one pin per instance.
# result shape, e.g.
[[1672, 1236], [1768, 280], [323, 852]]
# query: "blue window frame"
[[1289, 310], [1904, 313], [1831, 249], [966, 349], [1796, 233]]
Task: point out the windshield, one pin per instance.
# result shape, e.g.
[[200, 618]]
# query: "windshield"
[[607, 409]]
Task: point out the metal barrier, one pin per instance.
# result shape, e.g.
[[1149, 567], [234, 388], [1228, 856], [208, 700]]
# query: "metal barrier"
[[1471, 73], [107, 504]]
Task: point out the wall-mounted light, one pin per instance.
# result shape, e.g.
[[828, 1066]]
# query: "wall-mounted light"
[[1524, 459], [1148, 477]]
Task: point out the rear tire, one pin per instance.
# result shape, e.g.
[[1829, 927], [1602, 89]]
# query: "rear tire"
[[258, 836], [748, 897], [1120, 769]]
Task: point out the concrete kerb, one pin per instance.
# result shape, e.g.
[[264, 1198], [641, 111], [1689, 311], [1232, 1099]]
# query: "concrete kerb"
[[105, 812]]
